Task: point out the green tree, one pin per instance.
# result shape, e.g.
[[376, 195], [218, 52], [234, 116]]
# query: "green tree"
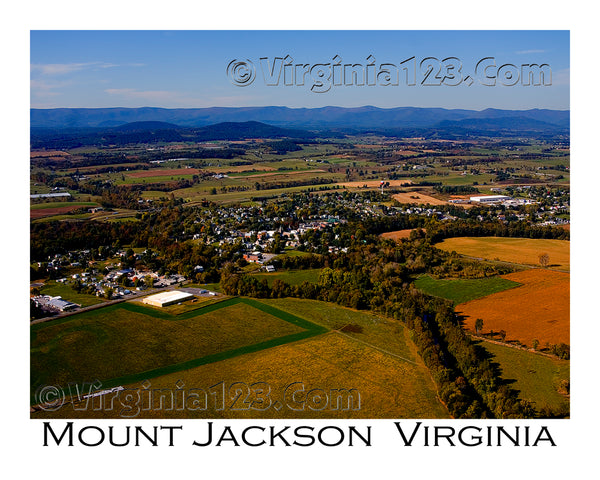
[[478, 325]]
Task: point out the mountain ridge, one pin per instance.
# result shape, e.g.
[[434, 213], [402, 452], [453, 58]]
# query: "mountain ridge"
[[322, 117]]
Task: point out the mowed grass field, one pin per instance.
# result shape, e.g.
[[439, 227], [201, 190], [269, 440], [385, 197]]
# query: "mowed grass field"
[[525, 251], [127, 342], [291, 277], [375, 357], [463, 290], [538, 309], [538, 378]]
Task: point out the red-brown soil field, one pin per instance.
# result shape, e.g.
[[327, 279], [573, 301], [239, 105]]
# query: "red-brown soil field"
[[398, 234], [48, 212], [538, 309]]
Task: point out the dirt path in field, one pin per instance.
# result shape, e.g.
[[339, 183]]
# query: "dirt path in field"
[[518, 347]]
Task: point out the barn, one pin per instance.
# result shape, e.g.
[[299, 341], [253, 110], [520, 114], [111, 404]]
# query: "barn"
[[164, 299]]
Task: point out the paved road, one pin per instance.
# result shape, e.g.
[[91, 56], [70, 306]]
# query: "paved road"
[[102, 305]]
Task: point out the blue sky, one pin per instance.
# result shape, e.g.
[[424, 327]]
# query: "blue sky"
[[181, 69]]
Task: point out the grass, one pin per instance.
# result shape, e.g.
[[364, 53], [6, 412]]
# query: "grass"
[[537, 377], [463, 290], [128, 342], [380, 363], [55, 289], [213, 287], [291, 277], [378, 331], [288, 252]]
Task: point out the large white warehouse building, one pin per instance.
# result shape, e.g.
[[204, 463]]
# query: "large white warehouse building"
[[167, 298], [489, 198]]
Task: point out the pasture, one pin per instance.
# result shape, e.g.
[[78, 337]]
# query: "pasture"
[[291, 277], [538, 378], [463, 289], [128, 342], [377, 359]]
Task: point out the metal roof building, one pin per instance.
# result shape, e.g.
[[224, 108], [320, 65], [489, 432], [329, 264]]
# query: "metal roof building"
[[489, 198], [167, 298]]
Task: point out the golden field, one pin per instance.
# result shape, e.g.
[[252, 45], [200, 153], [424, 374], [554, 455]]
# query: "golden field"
[[525, 251]]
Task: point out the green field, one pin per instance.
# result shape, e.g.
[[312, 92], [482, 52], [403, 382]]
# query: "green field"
[[128, 342], [463, 290], [291, 277], [536, 377], [356, 350]]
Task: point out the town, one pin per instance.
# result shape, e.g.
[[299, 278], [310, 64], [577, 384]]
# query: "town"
[[242, 246]]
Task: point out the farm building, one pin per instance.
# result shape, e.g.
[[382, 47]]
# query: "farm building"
[[489, 198], [55, 303], [164, 299], [50, 195]]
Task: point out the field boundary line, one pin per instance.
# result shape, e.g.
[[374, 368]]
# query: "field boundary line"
[[382, 350], [524, 349], [310, 329]]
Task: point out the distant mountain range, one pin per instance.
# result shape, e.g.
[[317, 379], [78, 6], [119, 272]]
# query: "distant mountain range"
[[306, 118], [154, 131]]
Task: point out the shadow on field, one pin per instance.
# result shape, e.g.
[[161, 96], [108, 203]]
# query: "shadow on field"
[[485, 354]]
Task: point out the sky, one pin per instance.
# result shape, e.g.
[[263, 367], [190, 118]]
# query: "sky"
[[195, 69]]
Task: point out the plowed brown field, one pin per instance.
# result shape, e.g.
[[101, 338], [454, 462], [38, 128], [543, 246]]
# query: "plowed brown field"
[[538, 309], [398, 234], [48, 212]]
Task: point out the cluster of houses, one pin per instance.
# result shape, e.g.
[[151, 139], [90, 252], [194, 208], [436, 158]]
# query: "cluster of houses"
[[260, 241]]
